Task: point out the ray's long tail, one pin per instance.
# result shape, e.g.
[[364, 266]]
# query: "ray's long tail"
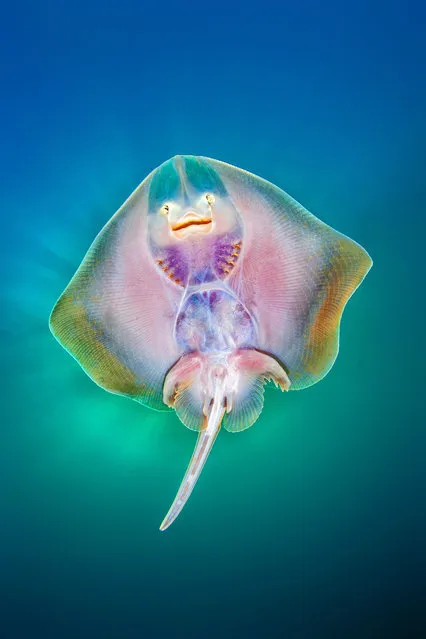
[[205, 441], [204, 390]]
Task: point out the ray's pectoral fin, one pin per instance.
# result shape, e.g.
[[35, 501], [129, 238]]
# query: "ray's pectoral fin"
[[206, 393], [296, 273]]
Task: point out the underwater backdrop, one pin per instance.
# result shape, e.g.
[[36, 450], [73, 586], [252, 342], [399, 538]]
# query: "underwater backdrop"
[[311, 523]]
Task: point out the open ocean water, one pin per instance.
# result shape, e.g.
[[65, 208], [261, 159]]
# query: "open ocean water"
[[312, 523]]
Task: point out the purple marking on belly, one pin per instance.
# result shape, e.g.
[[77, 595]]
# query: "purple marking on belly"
[[226, 253], [174, 266]]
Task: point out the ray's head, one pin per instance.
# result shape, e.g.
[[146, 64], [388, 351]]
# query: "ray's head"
[[188, 201]]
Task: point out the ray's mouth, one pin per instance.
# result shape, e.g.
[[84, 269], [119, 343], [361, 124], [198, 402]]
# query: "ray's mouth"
[[191, 221]]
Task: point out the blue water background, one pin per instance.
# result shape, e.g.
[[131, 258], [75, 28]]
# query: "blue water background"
[[312, 523]]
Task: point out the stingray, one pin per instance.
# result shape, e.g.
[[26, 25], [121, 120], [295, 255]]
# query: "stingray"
[[207, 283]]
